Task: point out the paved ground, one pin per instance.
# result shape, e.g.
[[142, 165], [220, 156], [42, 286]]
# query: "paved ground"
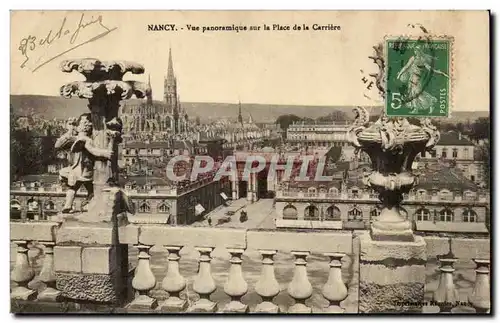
[[260, 215]]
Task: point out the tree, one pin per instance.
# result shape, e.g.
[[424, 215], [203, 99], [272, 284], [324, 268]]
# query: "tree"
[[286, 120], [337, 115], [480, 129]]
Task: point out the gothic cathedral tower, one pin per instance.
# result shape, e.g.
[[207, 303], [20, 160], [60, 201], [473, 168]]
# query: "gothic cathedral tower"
[[170, 92]]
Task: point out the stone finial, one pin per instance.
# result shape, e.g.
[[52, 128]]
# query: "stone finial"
[[22, 273], [335, 290], [204, 283], [144, 281], [480, 296], [300, 289], [236, 286], [267, 286], [173, 283]]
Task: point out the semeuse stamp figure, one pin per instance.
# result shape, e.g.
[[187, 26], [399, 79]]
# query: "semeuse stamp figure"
[[81, 171], [418, 77]]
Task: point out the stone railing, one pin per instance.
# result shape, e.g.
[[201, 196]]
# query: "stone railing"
[[187, 269], [256, 271]]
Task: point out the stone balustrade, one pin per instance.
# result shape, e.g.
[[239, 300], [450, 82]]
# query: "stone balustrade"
[[238, 270]]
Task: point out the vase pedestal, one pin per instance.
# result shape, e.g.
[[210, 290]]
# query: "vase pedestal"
[[391, 275], [392, 231]]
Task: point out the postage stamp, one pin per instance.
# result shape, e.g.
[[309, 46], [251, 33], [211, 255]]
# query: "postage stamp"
[[418, 78]]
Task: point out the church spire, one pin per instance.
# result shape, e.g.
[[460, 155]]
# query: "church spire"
[[170, 70], [149, 99], [240, 117]]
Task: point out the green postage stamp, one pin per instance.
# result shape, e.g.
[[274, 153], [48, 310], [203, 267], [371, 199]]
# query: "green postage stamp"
[[418, 78]]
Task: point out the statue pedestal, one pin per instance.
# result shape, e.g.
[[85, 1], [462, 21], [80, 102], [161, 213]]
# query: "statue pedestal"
[[391, 275], [91, 264], [392, 231]]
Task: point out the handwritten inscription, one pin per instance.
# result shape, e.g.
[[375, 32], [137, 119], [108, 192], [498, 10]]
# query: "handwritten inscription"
[[72, 33]]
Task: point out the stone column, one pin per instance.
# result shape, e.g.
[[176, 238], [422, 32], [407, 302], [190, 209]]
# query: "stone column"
[[249, 189], [392, 258], [234, 186]]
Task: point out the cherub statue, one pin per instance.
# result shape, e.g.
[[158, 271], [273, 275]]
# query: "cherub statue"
[[81, 171]]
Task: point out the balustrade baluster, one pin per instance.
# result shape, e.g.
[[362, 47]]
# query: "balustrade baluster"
[[480, 296], [300, 288], [22, 273], [204, 283], [267, 287], [446, 294], [173, 283], [335, 290], [236, 286], [47, 276], [144, 281]]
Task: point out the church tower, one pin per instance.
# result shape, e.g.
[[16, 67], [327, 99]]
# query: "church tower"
[[149, 99], [170, 86]]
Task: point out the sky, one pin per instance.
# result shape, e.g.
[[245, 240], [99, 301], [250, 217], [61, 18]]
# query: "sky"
[[269, 67]]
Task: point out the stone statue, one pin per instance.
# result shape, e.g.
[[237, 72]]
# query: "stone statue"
[[81, 170]]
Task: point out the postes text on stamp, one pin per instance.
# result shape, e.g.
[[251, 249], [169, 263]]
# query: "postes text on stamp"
[[418, 77]]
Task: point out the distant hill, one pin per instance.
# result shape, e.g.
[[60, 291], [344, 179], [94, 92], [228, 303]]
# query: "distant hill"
[[57, 107]]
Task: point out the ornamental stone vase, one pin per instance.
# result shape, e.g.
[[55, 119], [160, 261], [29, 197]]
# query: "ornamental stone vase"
[[392, 144]]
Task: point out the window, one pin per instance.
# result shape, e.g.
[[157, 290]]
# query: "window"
[[455, 153], [374, 213], [311, 212], [446, 215], [421, 194], [164, 208], [423, 214], [333, 213], [144, 207], [49, 205], [290, 212], [469, 216], [466, 153], [333, 191], [355, 193], [444, 153], [355, 215]]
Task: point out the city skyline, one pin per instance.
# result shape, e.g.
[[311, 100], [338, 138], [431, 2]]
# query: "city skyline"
[[318, 69]]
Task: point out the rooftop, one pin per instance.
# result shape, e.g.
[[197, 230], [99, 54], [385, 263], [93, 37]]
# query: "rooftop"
[[453, 138]]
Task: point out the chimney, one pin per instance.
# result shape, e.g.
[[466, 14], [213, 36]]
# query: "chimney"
[[459, 135]]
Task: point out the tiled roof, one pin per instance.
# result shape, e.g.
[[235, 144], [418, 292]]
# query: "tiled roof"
[[453, 138], [143, 145], [440, 176]]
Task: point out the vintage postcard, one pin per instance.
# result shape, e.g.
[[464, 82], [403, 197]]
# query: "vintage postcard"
[[250, 162]]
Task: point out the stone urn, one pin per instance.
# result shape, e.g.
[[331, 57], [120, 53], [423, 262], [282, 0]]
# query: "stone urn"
[[392, 144]]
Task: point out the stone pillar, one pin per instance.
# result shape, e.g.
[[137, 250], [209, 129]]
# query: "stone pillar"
[[234, 186], [249, 189], [91, 263], [255, 184]]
